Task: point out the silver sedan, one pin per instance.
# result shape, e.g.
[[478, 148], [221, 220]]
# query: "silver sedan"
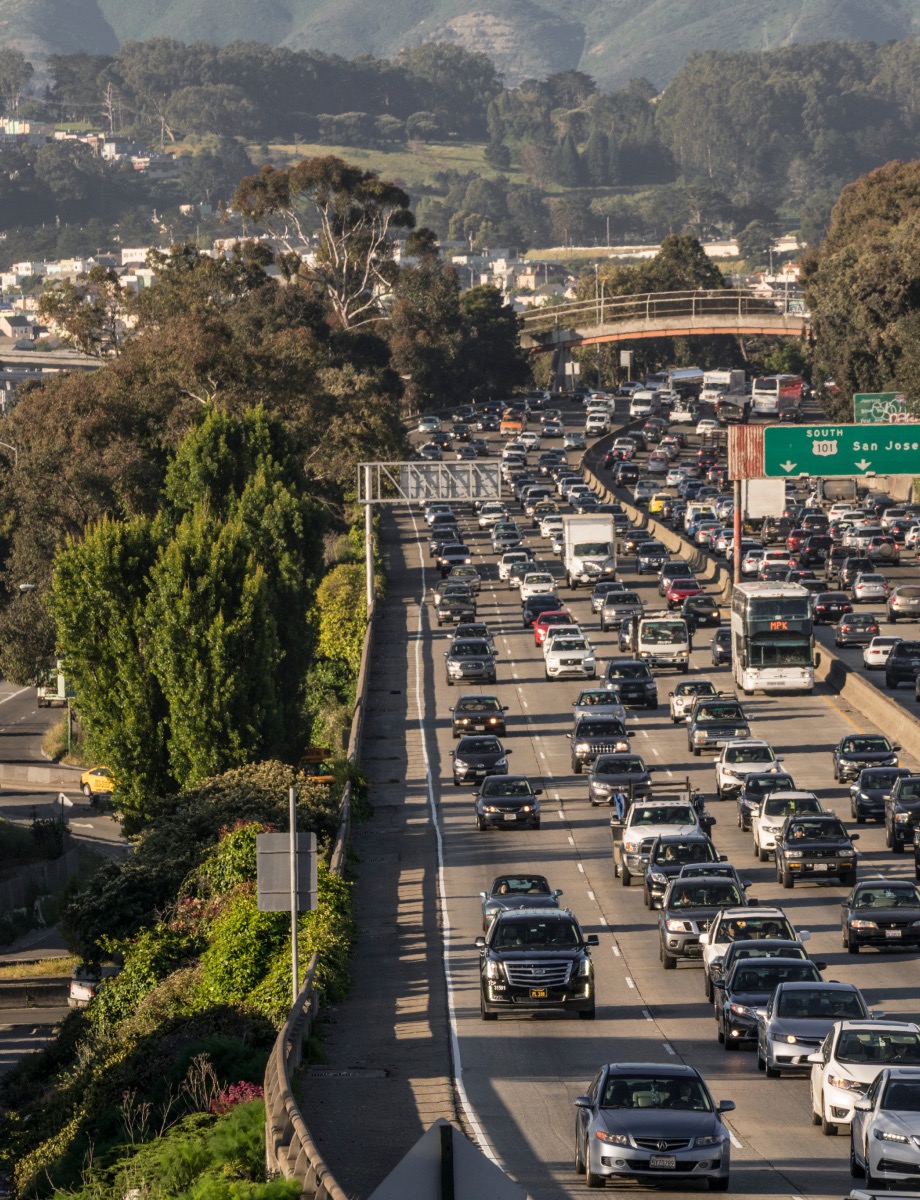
[[869, 586], [885, 1132]]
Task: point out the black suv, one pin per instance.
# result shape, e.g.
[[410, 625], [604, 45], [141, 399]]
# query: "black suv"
[[902, 664], [713, 721], [478, 714], [597, 735], [815, 847], [634, 681], [815, 549], [856, 751], [902, 812], [668, 857], [533, 959]]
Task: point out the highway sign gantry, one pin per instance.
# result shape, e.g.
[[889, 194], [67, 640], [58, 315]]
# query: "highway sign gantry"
[[834, 451]]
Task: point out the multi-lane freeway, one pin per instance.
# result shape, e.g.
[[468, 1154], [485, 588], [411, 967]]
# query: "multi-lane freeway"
[[518, 1077]]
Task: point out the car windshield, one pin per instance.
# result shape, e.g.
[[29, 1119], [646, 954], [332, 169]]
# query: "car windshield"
[[816, 1003], [619, 598], [479, 745], [590, 728], [663, 814], [819, 830], [764, 976], [504, 786], [911, 593], [878, 1046], [879, 779], [532, 934], [780, 806], [882, 896], [469, 649], [569, 643], [682, 585], [694, 688], [719, 893], [478, 706], [616, 764], [748, 754], [761, 785], [628, 671], [663, 633], [684, 852], [719, 712], [554, 618], [597, 699], [865, 745], [737, 929], [521, 885], [648, 1091]]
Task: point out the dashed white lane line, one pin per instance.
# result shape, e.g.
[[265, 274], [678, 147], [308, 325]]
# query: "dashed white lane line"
[[616, 951], [561, 815], [669, 1049], [603, 921], [524, 702], [655, 750], [591, 896], [646, 1014], [580, 867], [630, 983], [670, 772], [571, 840], [542, 752]]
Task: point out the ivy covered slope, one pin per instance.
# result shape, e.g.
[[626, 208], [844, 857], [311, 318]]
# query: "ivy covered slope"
[[133, 1081]]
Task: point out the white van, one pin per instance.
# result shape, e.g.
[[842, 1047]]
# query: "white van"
[[643, 404], [597, 423]]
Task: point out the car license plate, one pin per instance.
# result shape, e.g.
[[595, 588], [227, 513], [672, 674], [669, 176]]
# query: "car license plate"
[[510, 816], [892, 933], [662, 1162], [538, 993], [819, 867]]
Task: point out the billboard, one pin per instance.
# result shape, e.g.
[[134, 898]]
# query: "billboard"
[[882, 408]]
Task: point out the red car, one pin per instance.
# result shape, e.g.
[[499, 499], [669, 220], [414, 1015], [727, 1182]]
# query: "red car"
[[795, 539], [680, 590], [545, 620]]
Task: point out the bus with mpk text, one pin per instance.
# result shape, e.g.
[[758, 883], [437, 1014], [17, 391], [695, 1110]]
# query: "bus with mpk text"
[[771, 395], [773, 640]]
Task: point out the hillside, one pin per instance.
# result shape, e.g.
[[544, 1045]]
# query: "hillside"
[[613, 40]]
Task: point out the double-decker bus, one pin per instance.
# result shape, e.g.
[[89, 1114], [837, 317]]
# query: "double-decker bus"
[[773, 641], [772, 394]]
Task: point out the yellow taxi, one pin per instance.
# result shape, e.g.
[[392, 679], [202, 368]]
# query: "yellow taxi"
[[657, 502], [96, 782]]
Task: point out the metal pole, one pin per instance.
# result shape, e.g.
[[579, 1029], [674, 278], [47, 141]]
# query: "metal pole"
[[69, 728], [736, 574], [292, 821], [369, 539]]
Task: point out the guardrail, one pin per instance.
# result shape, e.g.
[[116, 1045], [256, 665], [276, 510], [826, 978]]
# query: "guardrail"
[[289, 1148], [649, 306]]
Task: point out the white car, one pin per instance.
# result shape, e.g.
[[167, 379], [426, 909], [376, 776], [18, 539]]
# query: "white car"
[[681, 415], [550, 525], [491, 513], [596, 423], [741, 924], [885, 1131], [645, 821], [707, 425], [876, 653], [673, 477], [770, 820], [510, 559], [752, 562], [555, 631], [536, 583], [513, 449], [530, 439], [685, 692], [569, 657], [553, 429], [737, 759], [850, 1057]]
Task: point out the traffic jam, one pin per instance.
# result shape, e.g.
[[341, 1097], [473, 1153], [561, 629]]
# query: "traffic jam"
[[631, 639]]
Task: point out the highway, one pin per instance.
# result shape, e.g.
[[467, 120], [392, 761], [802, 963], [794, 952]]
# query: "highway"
[[519, 1076]]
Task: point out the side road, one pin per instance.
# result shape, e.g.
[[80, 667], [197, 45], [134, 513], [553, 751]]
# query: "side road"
[[385, 1069]]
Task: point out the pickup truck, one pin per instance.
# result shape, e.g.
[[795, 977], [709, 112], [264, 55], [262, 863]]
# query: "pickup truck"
[[646, 821]]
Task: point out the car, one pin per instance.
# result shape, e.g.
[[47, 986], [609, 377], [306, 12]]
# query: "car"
[[721, 647], [869, 586], [756, 785], [478, 713], [700, 612], [470, 661], [815, 549], [595, 735], [815, 847], [537, 583], [853, 565], [721, 966], [492, 512], [687, 909], [745, 991], [798, 1019], [475, 629], [453, 554], [651, 1122], [829, 607], [477, 756], [625, 473], [644, 489], [871, 790], [633, 681], [875, 655], [635, 832], [681, 590], [454, 609], [713, 721], [512, 558], [737, 759], [768, 824], [441, 536], [574, 440], [602, 589], [885, 1132], [670, 854], [650, 557], [617, 606], [468, 575], [677, 568], [551, 619], [534, 606], [902, 664], [520, 890], [904, 603], [431, 452], [856, 751], [759, 925], [506, 537], [533, 960], [856, 629], [569, 656], [881, 913], [684, 694], [619, 779], [97, 781], [902, 812], [707, 425], [507, 802], [883, 548]]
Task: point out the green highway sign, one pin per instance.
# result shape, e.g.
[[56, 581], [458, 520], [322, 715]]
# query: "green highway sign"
[[872, 407], [840, 450]]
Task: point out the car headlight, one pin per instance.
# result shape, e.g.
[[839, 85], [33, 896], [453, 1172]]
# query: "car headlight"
[[790, 1039], [582, 747], [458, 762], [885, 1135], [612, 1139], [501, 762], [730, 773], [902, 818], [846, 1085], [860, 924], [583, 968], [699, 736], [742, 1010], [493, 969], [714, 1139], [657, 877], [630, 847], [675, 925], [491, 808], [527, 807]]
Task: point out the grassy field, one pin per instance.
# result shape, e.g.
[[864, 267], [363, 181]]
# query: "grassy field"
[[412, 166], [42, 968]]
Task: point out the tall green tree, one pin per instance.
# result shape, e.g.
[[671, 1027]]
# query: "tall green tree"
[[494, 362]]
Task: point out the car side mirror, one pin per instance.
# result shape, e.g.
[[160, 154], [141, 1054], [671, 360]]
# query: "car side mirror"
[[592, 940], [896, 745], [854, 837], [569, 736], [804, 935], [476, 795], [704, 939], [480, 943], [864, 1106], [582, 1102], [483, 895], [817, 660], [557, 892]]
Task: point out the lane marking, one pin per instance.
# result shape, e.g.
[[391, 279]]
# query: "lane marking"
[[561, 815], [630, 983], [616, 951], [580, 867], [646, 1014], [13, 695], [669, 1049], [571, 840], [670, 772], [840, 712], [603, 921], [655, 750], [590, 895]]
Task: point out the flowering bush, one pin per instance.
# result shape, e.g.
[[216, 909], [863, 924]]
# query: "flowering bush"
[[236, 1093]]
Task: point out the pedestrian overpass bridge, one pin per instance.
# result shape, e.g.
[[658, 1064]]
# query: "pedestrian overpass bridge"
[[721, 312]]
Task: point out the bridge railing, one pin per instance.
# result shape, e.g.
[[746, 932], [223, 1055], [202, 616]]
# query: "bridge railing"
[[653, 306]]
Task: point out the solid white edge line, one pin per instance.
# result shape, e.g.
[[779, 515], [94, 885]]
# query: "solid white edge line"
[[464, 1099]]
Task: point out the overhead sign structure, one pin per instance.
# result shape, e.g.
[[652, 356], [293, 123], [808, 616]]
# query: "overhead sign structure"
[[402, 482], [838, 451]]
